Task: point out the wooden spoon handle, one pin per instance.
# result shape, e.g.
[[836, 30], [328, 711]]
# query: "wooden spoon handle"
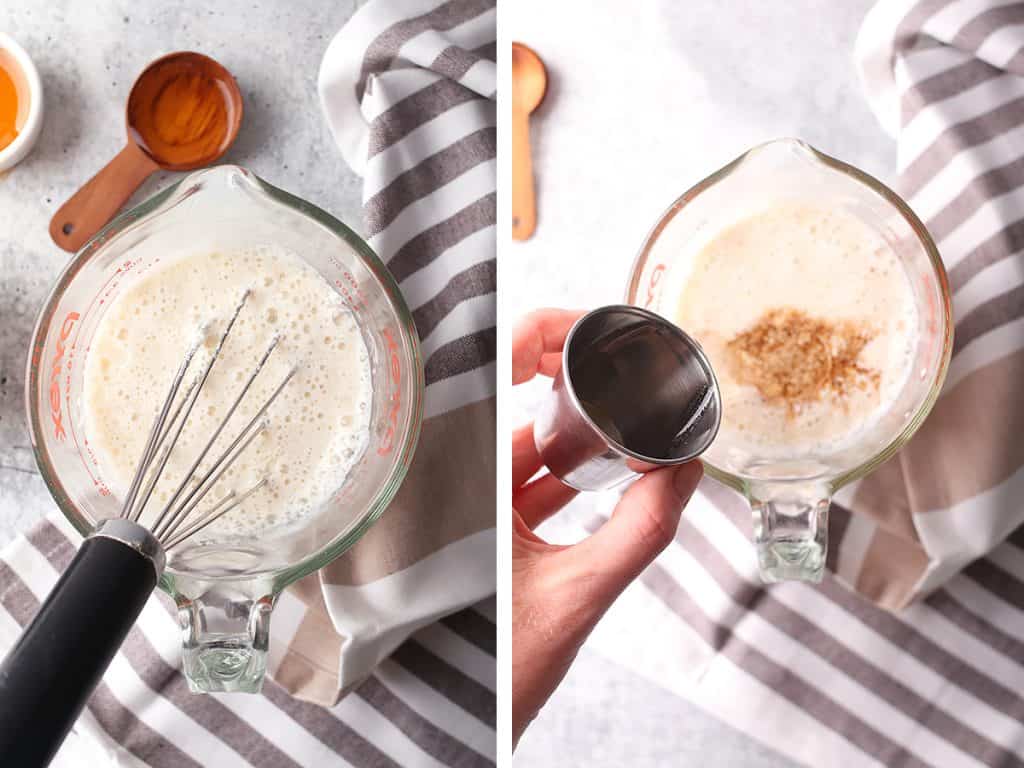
[[524, 207], [92, 206]]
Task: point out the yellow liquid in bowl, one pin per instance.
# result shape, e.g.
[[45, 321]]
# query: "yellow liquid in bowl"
[[8, 109]]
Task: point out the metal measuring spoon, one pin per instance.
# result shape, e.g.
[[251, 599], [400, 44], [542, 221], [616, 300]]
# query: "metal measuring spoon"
[[165, 131], [529, 82]]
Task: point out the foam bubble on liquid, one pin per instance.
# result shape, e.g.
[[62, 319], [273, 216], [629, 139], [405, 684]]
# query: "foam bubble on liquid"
[[318, 427]]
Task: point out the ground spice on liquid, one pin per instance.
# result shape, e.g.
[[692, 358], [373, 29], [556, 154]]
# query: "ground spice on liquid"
[[793, 358]]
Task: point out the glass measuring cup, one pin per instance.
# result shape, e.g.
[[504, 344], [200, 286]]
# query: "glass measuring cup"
[[225, 588], [790, 498]]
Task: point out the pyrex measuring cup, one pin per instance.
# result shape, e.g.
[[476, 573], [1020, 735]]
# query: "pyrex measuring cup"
[[225, 588], [790, 498]]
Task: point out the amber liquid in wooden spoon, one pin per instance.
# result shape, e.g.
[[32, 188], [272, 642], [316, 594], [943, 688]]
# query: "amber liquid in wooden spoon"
[[182, 114]]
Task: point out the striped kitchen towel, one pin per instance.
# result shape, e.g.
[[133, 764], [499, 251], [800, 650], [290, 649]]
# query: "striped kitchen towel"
[[946, 78], [431, 703], [408, 91], [817, 672], [403, 623]]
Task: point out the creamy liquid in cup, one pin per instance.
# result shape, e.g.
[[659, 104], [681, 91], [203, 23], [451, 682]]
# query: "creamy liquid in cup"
[[809, 321], [318, 426]]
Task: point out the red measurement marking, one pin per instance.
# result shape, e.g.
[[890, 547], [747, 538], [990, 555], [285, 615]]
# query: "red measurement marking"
[[101, 290], [652, 286], [394, 397], [114, 282], [108, 287], [933, 313], [55, 368], [96, 481], [343, 289], [67, 400], [354, 286]]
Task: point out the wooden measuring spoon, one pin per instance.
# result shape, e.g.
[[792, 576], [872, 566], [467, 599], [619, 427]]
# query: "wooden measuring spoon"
[[183, 113], [529, 81]]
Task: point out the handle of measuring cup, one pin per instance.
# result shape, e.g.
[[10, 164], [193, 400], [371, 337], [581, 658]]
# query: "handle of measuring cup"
[[51, 672]]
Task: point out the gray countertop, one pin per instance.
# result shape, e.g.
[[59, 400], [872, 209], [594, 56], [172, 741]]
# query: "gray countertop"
[[644, 100], [88, 55]]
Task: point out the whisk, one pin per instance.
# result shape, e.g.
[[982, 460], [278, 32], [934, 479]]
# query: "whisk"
[[48, 676]]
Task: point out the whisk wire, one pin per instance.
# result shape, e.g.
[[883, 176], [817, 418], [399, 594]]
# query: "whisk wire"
[[165, 451], [164, 446], [220, 428], [155, 432], [204, 484], [190, 403], [172, 525], [223, 462], [220, 509]]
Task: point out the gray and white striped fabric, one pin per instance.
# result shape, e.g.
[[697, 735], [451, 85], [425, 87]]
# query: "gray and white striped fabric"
[[819, 673], [404, 623], [947, 80], [430, 704], [408, 91]]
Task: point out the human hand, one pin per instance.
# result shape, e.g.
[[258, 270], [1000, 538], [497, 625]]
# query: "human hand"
[[560, 592]]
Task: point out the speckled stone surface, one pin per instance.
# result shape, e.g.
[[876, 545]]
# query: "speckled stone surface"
[[643, 101], [88, 55]]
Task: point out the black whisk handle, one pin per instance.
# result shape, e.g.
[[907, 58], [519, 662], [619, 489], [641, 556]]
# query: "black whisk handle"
[[49, 675]]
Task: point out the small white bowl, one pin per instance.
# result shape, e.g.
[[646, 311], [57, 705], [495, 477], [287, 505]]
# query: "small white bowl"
[[26, 78]]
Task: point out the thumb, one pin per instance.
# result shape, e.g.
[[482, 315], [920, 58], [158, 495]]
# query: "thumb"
[[643, 524]]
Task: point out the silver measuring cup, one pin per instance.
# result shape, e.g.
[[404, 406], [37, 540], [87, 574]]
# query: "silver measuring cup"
[[634, 393]]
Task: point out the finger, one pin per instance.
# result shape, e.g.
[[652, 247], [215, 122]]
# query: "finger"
[[538, 334], [539, 500], [643, 524], [550, 364], [523, 533], [525, 459]]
